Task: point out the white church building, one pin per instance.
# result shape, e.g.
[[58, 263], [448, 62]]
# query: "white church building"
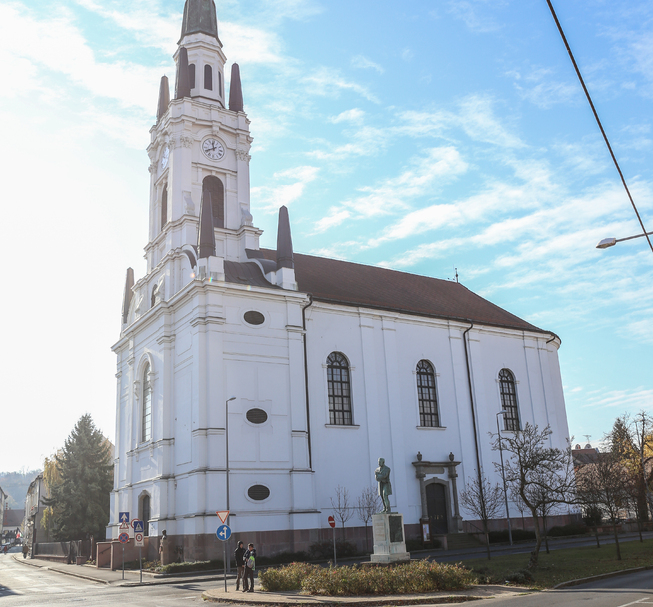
[[327, 365]]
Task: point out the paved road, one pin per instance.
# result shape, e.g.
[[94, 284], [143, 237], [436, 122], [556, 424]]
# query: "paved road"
[[21, 585]]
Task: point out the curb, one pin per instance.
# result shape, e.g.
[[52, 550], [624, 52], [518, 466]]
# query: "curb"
[[124, 583], [322, 601], [602, 576]]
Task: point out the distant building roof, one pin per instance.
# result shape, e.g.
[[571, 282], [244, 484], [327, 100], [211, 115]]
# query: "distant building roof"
[[13, 518], [353, 284]]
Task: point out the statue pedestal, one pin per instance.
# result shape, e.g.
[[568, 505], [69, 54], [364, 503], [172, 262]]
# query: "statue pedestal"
[[389, 539]]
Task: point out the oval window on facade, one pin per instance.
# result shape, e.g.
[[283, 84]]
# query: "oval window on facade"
[[254, 318], [258, 492], [256, 416]]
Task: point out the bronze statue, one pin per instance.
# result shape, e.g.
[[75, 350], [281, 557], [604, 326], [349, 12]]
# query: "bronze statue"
[[382, 475]]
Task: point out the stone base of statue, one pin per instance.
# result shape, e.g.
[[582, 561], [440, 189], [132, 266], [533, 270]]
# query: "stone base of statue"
[[389, 539]]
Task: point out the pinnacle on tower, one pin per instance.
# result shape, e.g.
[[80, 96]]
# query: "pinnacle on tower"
[[164, 98], [199, 18], [127, 297], [235, 90], [183, 75], [284, 241], [206, 241]]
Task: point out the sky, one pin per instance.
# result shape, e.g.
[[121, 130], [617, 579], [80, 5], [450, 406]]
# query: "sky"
[[423, 135]]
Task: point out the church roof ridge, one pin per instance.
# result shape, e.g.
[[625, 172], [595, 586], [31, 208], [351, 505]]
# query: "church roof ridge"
[[356, 284]]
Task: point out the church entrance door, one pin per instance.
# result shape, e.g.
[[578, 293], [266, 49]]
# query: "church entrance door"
[[436, 502]]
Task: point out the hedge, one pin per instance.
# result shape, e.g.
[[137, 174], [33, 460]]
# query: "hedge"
[[414, 577]]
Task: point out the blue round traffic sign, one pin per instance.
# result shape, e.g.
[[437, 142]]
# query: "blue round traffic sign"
[[124, 538], [223, 533]]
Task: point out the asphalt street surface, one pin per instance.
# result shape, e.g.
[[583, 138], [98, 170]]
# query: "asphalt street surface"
[[24, 585]]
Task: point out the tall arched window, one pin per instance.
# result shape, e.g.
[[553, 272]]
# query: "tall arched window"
[[146, 432], [214, 186], [145, 514], [208, 77], [339, 389], [191, 75], [428, 399], [509, 400], [164, 207], [220, 83]]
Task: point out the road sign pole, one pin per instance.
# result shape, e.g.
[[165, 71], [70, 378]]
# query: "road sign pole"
[[140, 562], [123, 561], [224, 545], [335, 557]]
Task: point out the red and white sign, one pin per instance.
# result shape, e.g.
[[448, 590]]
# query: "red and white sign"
[[222, 515], [332, 522], [135, 522], [124, 527], [139, 542]]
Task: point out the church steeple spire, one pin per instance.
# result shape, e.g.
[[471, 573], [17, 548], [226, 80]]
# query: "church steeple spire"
[[236, 90], [199, 17]]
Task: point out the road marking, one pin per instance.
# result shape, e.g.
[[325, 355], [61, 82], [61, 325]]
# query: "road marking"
[[643, 601]]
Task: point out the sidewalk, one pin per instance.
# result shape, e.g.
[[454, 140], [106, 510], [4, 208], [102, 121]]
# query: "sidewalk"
[[295, 598], [106, 576]]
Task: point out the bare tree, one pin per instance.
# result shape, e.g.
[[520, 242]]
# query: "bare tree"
[[342, 508], [484, 501], [537, 473], [600, 483], [368, 504]]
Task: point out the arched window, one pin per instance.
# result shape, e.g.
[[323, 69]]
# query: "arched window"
[[428, 399], [164, 207], [146, 432], [191, 75], [339, 390], [208, 77], [509, 400], [214, 186], [155, 292], [220, 83], [145, 514]]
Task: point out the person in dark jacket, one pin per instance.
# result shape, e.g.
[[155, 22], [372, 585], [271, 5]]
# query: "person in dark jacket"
[[239, 555], [250, 566]]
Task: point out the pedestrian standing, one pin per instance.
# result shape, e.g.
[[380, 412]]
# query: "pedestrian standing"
[[239, 555], [250, 566]]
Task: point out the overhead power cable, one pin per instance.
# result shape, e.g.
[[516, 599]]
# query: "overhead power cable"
[[598, 121]]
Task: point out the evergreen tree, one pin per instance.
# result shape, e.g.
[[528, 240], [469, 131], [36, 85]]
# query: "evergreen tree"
[[79, 502]]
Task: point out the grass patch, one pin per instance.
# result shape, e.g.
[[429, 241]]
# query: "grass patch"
[[412, 578], [562, 565]]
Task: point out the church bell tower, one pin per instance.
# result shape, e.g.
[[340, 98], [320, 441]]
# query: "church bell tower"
[[199, 153]]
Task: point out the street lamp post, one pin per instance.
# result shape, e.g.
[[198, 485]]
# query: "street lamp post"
[[610, 242], [503, 477], [226, 436]]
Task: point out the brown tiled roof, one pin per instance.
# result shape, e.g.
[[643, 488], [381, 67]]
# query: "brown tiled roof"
[[13, 518], [353, 284]]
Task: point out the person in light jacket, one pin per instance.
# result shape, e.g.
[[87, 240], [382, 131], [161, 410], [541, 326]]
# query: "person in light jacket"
[[250, 566]]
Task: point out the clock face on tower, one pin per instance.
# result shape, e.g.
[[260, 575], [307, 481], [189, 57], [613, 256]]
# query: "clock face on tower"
[[213, 149]]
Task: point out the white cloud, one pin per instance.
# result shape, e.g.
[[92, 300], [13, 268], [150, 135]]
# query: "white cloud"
[[366, 141], [336, 216], [328, 82], [362, 62], [407, 54], [472, 14], [438, 166], [475, 116], [58, 46], [272, 197], [355, 116]]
